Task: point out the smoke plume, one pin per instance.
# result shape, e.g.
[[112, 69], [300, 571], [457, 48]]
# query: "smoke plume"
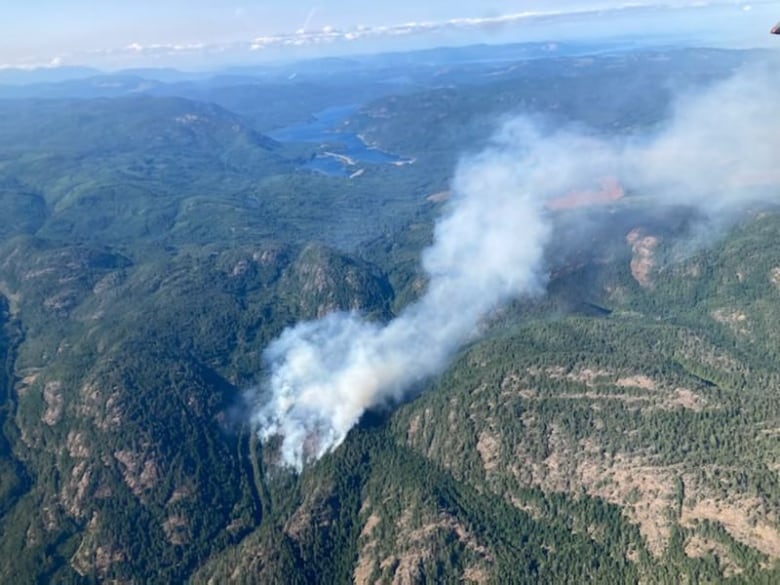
[[718, 149]]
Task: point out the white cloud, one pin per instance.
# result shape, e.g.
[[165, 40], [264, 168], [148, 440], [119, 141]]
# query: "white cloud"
[[32, 64], [161, 48], [332, 34]]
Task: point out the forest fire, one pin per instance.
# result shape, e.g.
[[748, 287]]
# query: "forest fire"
[[610, 191]]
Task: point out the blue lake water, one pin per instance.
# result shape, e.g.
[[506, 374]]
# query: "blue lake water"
[[326, 128]]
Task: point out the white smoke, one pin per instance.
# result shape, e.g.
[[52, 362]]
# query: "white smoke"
[[717, 148]]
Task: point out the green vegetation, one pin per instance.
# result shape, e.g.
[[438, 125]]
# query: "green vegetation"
[[625, 428]]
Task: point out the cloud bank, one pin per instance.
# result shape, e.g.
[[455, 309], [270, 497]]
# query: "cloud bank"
[[329, 34], [352, 38], [720, 149]]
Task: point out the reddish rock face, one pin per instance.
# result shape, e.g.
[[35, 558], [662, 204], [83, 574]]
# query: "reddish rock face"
[[643, 263]]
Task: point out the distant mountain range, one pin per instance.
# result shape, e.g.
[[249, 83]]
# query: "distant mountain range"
[[333, 65]]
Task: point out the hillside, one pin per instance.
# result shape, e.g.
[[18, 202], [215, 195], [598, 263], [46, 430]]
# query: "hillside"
[[169, 171], [126, 381]]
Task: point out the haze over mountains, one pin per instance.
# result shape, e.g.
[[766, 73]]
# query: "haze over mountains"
[[488, 56], [223, 365], [205, 35]]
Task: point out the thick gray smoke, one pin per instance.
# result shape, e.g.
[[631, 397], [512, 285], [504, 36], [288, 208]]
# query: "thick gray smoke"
[[718, 148]]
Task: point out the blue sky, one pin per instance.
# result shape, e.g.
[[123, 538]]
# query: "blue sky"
[[193, 33]]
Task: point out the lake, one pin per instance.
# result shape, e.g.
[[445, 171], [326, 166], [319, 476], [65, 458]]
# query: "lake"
[[340, 152]]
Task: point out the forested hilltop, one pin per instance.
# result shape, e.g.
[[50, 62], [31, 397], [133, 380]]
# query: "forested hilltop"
[[622, 427]]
